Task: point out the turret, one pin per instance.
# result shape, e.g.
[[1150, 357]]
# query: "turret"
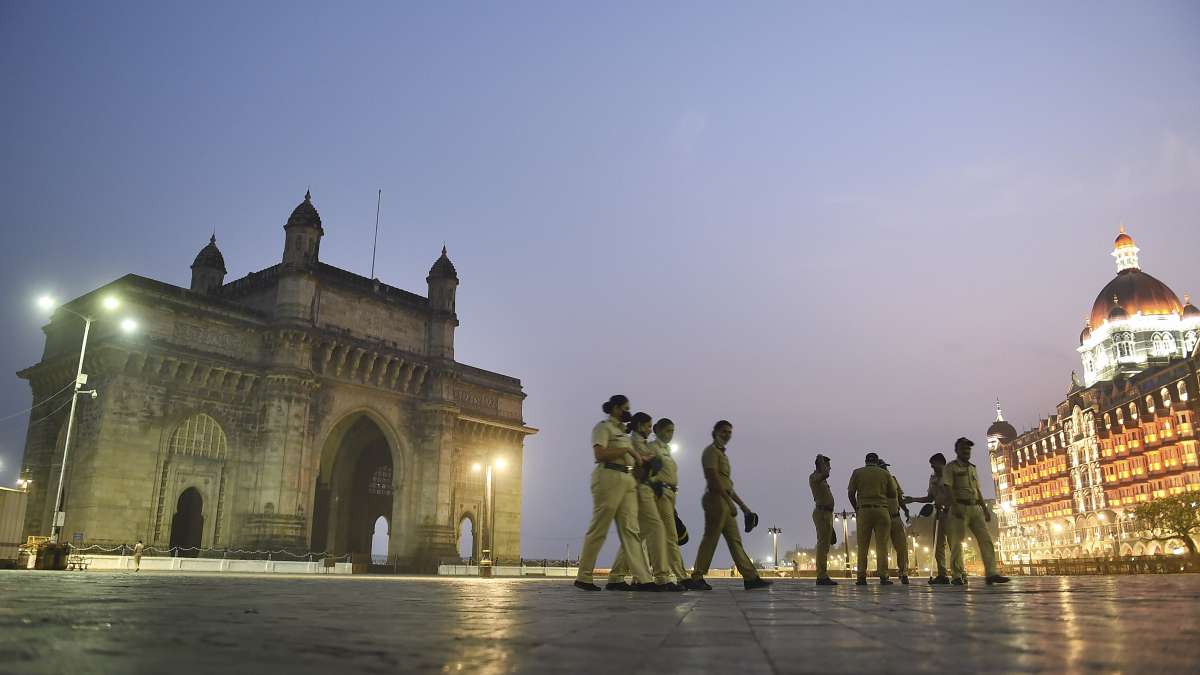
[[443, 285], [302, 241], [208, 270]]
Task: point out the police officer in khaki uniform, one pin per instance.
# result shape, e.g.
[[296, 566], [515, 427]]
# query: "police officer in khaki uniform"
[[650, 526], [720, 514], [823, 505], [967, 512], [665, 483], [939, 497], [614, 496], [898, 534], [869, 490]]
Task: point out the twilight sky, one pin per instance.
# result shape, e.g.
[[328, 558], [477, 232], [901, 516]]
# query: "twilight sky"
[[842, 229]]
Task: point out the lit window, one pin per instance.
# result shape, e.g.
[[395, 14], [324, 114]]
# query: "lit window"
[[1189, 341], [1168, 343], [381, 481], [199, 436], [1124, 345], [1182, 390], [1149, 405]]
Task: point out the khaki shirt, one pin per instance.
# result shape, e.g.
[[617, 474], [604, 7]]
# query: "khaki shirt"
[[962, 481], [610, 433], [894, 501], [937, 492], [670, 470], [715, 458], [872, 485], [822, 495]]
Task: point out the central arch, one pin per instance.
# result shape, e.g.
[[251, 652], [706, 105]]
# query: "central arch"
[[355, 487], [187, 525]]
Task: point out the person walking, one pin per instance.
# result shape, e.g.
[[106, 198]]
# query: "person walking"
[[614, 496], [651, 528], [939, 498], [720, 514], [665, 484], [818, 482], [967, 512], [869, 490], [137, 555], [898, 534]]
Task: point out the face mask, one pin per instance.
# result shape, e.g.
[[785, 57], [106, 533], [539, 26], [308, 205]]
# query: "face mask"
[[626, 416]]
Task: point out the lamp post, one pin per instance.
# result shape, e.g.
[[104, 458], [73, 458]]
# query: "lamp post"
[[127, 325], [845, 517], [488, 535], [775, 532]]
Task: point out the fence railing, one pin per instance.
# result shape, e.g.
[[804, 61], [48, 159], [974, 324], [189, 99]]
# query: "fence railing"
[[1157, 564], [221, 553]]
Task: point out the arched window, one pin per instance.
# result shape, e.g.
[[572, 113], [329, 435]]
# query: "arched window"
[[1165, 394], [1168, 341], [1156, 345], [1189, 342], [1182, 390], [1124, 345], [199, 436], [1133, 412], [1149, 404], [1108, 421]]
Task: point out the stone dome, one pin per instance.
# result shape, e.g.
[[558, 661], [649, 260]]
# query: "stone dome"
[[1133, 291], [210, 257], [1003, 429], [1086, 333], [305, 215], [443, 268], [1189, 310]]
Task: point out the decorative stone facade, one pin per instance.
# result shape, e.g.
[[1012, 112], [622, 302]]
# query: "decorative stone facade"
[[287, 409], [1124, 435]]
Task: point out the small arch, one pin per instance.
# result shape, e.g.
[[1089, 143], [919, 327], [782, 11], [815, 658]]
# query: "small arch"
[[468, 548], [380, 534], [187, 525], [199, 436]]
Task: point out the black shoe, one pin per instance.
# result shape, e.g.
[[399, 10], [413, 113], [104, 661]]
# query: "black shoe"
[[756, 583], [862, 581], [958, 581], [884, 581], [940, 580], [826, 581], [904, 580], [671, 587], [648, 587], [617, 586], [583, 585], [697, 585], [997, 579]]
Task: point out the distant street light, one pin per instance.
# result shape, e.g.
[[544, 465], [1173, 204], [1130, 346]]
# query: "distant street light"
[[48, 303], [775, 532]]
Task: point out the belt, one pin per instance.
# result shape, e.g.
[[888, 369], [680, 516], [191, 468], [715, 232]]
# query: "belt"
[[674, 488], [618, 467], [967, 502], [824, 508]]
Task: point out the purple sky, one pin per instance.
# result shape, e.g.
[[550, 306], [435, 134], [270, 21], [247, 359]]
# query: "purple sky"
[[842, 230]]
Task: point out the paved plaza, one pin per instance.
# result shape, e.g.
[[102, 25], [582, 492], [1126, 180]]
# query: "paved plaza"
[[67, 622]]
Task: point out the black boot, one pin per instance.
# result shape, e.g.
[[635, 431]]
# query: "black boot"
[[826, 581], [697, 585], [755, 583], [940, 580], [997, 579], [583, 585], [617, 586]]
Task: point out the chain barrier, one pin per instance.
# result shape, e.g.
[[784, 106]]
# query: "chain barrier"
[[201, 552]]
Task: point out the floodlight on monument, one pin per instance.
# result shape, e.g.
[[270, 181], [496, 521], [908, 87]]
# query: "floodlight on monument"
[[500, 463], [129, 326], [46, 303], [110, 302], [477, 467]]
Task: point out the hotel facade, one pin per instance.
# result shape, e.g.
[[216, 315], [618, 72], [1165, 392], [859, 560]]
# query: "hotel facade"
[[1125, 434]]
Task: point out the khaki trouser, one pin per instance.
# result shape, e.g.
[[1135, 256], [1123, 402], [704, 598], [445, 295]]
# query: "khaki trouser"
[[613, 497], [900, 543], [964, 518], [666, 513], [823, 520], [652, 536], [873, 521], [719, 521], [941, 522]]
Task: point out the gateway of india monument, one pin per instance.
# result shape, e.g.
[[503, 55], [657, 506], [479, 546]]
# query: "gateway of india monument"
[[288, 409]]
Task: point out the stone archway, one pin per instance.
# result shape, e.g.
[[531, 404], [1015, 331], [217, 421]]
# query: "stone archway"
[[356, 485], [187, 525], [468, 539]]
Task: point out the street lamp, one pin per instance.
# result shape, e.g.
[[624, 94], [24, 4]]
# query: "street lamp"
[[845, 517], [775, 532], [489, 508], [47, 303]]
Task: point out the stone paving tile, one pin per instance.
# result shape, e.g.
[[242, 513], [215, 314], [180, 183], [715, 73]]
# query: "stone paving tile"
[[180, 623]]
